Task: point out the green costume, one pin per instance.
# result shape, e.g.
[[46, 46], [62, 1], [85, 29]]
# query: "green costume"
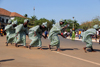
[[53, 35], [22, 31], [7, 33], [87, 36], [11, 32], [36, 40], [73, 35]]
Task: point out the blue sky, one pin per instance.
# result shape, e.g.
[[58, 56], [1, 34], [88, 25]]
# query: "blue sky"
[[82, 10]]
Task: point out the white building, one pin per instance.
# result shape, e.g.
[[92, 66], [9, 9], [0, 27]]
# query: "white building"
[[5, 15]]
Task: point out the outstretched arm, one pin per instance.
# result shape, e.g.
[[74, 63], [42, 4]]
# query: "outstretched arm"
[[61, 35], [65, 26], [34, 33], [17, 34], [44, 36]]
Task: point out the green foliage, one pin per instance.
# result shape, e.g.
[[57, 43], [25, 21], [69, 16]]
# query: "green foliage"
[[20, 20], [34, 21], [25, 15], [89, 24], [70, 22]]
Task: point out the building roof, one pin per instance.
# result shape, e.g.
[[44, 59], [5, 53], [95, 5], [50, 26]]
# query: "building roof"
[[10, 14]]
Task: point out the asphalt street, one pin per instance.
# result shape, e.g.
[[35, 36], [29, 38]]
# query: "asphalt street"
[[72, 55]]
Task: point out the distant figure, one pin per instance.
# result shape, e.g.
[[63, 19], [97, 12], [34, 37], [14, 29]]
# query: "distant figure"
[[46, 33], [87, 37], [70, 34], [96, 36], [73, 34], [65, 33], [99, 35], [76, 34], [79, 32], [1, 31]]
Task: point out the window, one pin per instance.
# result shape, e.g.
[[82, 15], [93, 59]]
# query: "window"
[[2, 20], [6, 20], [2, 26]]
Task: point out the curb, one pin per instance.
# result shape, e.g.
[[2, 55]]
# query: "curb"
[[81, 39]]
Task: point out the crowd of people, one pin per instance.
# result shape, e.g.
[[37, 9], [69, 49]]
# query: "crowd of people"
[[17, 34]]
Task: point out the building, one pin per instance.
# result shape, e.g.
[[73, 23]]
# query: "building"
[[5, 15]]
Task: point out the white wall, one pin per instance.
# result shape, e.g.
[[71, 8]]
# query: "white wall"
[[5, 18], [12, 18]]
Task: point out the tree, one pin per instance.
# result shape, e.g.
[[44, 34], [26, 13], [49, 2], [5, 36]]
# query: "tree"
[[53, 21], [89, 24], [20, 20], [25, 15], [70, 22], [33, 19]]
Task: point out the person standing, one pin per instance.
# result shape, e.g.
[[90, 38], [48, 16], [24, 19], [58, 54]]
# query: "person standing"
[[73, 34], [35, 35], [65, 33], [87, 37], [1, 31], [79, 32], [53, 35], [21, 32], [70, 34], [46, 33]]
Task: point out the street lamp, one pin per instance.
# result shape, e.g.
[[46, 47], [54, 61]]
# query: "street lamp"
[[34, 11], [73, 22], [73, 32]]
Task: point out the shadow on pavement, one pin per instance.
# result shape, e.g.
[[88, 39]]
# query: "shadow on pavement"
[[64, 49], [6, 60], [89, 50]]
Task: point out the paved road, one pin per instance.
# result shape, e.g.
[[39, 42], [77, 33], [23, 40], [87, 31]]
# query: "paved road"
[[72, 55]]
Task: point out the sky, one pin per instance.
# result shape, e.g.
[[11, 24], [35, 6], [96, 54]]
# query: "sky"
[[82, 10]]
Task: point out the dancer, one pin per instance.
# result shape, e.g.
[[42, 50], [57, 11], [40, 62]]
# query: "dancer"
[[53, 35], [87, 37], [7, 30], [73, 34], [35, 34], [22, 31], [12, 38]]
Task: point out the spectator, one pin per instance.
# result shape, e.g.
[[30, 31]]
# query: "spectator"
[[46, 33], [79, 33], [70, 34], [1, 31], [65, 33]]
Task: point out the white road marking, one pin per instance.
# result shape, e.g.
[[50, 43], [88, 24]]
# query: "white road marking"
[[78, 58]]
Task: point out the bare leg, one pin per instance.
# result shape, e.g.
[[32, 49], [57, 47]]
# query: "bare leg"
[[50, 47], [58, 49], [85, 49], [92, 50], [99, 41], [25, 47], [16, 45], [11, 43], [41, 48], [29, 47], [6, 44]]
